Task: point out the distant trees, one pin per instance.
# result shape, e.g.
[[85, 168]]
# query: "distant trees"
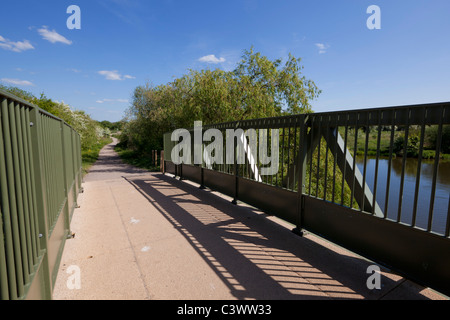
[[432, 137], [430, 142], [112, 126], [257, 88]]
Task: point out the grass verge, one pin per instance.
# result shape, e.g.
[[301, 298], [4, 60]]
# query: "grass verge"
[[137, 159]]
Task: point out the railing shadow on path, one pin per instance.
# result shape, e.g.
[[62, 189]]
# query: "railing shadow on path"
[[255, 256]]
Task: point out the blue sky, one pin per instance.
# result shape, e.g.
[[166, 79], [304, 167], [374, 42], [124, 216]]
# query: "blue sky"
[[126, 43]]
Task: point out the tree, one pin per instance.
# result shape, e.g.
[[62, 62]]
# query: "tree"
[[257, 88], [282, 90], [432, 138]]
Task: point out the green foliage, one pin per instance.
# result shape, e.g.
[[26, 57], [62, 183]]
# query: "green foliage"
[[428, 154], [279, 89], [137, 159], [430, 141], [398, 146], [411, 148], [112, 126], [257, 88], [432, 136], [325, 180]]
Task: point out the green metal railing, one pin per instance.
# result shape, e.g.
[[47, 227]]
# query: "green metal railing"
[[40, 178], [360, 178]]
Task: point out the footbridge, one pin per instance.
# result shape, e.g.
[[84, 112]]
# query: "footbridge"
[[350, 191], [335, 177]]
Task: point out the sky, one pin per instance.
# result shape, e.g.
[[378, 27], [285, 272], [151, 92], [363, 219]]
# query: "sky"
[[123, 44]]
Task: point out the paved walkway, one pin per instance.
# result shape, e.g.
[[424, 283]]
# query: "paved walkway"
[[141, 236]]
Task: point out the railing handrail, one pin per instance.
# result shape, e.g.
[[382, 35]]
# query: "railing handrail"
[[297, 118]]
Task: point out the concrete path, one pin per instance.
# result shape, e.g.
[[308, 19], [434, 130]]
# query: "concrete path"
[[148, 236]]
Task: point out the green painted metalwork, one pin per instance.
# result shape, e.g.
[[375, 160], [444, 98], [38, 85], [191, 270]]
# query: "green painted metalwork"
[[40, 178], [319, 186]]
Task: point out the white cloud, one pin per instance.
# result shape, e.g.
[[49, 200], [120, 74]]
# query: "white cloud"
[[110, 75], [17, 82], [114, 75], [211, 59], [112, 100], [322, 47], [18, 46], [53, 36]]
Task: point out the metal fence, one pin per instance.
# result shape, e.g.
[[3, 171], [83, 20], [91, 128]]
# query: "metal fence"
[[40, 179], [375, 181]]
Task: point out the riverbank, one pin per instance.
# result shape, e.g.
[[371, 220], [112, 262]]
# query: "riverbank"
[[383, 146]]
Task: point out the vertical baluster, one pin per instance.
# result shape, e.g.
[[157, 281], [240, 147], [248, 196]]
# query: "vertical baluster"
[[419, 168], [282, 156], [23, 198], [288, 183], [327, 133], [7, 275], [35, 223], [310, 152], [294, 164], [366, 146], [345, 159], [335, 137], [355, 148], [402, 178], [447, 228], [388, 178], [318, 156], [377, 162], [14, 253], [435, 170]]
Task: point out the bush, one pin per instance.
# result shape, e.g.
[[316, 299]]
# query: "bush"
[[431, 135], [412, 147], [428, 154], [88, 129], [257, 88]]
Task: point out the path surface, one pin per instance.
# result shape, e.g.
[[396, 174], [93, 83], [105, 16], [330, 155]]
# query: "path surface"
[[148, 236]]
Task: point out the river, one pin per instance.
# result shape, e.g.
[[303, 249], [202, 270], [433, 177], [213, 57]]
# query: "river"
[[442, 193]]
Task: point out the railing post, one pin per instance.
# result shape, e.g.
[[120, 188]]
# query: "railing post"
[[202, 178], [180, 171], [162, 166], [41, 203], [236, 169], [302, 163], [65, 180]]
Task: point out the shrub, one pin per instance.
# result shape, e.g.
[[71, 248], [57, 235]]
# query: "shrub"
[[431, 135], [428, 154], [412, 147]]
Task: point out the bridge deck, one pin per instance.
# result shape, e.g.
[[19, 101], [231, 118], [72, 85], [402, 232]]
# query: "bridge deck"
[[141, 235]]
